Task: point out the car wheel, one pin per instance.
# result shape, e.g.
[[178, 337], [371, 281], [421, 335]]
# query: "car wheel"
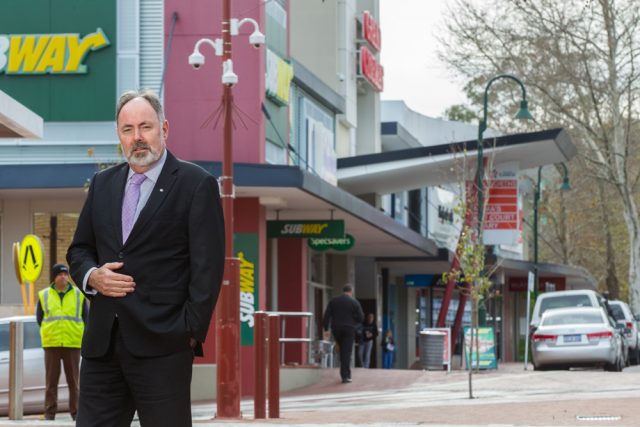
[[634, 355]]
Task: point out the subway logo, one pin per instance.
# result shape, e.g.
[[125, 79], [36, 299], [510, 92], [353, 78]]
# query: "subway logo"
[[48, 53]]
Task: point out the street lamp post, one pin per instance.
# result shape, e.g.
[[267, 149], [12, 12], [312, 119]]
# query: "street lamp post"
[[227, 313], [523, 113], [536, 199]]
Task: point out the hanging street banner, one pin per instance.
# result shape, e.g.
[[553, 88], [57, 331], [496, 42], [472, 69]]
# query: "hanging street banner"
[[336, 243], [31, 258], [313, 228], [246, 249]]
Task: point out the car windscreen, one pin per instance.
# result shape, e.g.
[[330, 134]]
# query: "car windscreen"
[[563, 301], [616, 311], [31, 336], [557, 319]]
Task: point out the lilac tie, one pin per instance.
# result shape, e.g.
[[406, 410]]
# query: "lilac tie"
[[130, 203]]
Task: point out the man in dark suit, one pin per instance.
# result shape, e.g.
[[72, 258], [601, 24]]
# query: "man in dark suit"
[[149, 252], [344, 315]]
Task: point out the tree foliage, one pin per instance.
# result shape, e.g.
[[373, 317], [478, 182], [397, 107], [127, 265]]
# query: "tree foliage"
[[579, 62]]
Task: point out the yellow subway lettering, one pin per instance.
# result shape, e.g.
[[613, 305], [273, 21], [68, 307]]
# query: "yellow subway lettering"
[[25, 51], [54, 56]]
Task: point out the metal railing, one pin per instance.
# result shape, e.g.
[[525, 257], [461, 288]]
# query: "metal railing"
[[319, 351], [308, 339]]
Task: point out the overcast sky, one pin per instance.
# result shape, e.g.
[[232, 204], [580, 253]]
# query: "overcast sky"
[[412, 71]]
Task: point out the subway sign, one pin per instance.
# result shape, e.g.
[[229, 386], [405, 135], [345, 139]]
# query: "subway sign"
[[34, 54], [332, 228]]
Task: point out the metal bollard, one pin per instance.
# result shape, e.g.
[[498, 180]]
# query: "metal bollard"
[[274, 366], [260, 367], [16, 368]]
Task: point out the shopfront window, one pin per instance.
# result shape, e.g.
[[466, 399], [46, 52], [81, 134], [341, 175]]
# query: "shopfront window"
[[318, 290], [314, 138]]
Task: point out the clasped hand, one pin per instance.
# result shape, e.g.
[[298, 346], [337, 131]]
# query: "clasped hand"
[[109, 283]]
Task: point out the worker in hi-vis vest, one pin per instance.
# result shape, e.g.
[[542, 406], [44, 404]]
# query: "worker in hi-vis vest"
[[62, 313]]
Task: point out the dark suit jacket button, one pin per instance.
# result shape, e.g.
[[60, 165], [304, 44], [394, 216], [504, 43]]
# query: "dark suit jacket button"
[[120, 255]]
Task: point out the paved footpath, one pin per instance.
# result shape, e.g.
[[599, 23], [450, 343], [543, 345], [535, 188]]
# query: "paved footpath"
[[509, 396]]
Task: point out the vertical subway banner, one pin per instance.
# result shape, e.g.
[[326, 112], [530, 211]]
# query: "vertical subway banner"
[[246, 249]]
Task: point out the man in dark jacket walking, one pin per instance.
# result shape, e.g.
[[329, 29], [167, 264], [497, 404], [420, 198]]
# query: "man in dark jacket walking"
[[344, 315]]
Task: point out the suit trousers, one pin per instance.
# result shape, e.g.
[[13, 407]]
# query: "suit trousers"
[[114, 386], [345, 338], [70, 358]]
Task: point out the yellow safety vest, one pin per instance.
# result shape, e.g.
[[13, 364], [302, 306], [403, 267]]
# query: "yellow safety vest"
[[62, 324]]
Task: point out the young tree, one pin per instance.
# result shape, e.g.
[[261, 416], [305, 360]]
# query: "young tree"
[[579, 60]]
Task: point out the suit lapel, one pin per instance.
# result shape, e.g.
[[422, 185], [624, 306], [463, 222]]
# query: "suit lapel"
[[120, 180], [163, 186]]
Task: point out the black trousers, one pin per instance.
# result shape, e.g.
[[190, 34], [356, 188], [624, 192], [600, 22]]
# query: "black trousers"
[[345, 338], [114, 386]]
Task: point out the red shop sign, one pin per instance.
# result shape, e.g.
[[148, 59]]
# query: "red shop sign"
[[371, 30], [371, 69]]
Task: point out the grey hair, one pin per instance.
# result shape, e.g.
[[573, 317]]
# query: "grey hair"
[[147, 94]]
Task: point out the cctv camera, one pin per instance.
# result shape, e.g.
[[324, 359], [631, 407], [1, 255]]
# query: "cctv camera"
[[229, 78], [196, 60], [256, 39]]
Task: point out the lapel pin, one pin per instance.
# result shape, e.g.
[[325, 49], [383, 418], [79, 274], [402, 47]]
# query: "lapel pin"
[[161, 190]]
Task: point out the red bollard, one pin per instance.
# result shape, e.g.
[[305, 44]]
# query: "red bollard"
[[274, 366], [260, 368]]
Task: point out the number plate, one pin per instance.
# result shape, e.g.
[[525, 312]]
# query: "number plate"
[[572, 338]]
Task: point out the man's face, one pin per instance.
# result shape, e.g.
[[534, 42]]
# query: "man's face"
[[141, 134], [61, 279]]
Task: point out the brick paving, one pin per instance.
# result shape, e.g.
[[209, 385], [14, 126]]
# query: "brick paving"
[[509, 396]]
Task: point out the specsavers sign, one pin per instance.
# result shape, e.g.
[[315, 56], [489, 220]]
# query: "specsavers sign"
[[58, 57], [48, 53]]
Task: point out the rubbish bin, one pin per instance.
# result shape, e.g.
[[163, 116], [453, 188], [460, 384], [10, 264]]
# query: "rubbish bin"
[[432, 350]]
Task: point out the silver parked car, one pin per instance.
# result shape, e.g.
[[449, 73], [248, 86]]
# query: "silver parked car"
[[34, 375], [562, 299], [577, 336], [622, 314]]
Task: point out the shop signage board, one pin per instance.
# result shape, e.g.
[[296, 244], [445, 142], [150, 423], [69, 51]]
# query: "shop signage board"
[[336, 243], [418, 280], [306, 228], [279, 74], [33, 54], [59, 58], [487, 354], [501, 226], [246, 248], [371, 69], [371, 31]]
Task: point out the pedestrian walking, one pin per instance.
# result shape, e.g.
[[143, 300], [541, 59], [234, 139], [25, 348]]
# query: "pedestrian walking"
[[149, 251], [61, 312], [344, 315], [369, 335]]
